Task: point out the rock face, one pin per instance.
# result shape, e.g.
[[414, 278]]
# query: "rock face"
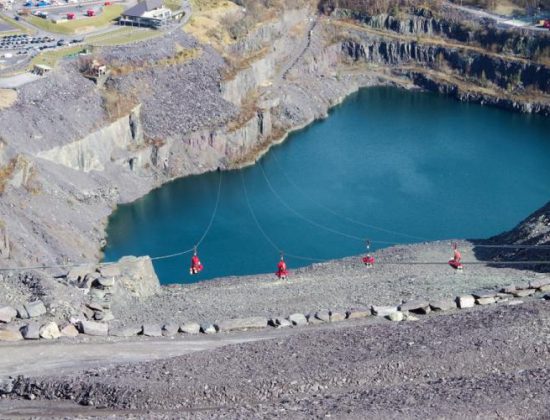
[[7, 313], [93, 328], [242, 324]]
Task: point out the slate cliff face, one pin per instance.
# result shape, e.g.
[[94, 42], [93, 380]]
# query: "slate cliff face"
[[467, 63]]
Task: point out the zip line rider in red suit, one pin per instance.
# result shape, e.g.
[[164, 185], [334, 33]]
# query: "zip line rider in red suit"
[[455, 262], [196, 265], [282, 271]]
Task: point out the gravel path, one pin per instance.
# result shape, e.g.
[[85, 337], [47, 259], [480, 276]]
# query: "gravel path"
[[492, 362], [336, 285]]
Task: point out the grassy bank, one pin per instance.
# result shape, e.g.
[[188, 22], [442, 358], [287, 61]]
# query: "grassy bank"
[[108, 14]]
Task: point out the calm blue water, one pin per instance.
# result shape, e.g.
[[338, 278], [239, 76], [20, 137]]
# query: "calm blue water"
[[419, 164]]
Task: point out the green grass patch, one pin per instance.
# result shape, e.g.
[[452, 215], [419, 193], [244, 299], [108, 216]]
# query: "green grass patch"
[[16, 25], [108, 14], [122, 36], [50, 58], [173, 5]]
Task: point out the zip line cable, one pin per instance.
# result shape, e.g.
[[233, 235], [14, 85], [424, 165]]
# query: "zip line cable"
[[359, 223], [334, 213], [300, 257], [312, 222], [160, 257], [264, 233]]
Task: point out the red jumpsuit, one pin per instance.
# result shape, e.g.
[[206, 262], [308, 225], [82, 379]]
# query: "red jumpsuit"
[[196, 266], [369, 260], [457, 257], [282, 272]]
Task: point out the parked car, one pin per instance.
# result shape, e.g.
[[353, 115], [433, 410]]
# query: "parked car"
[[28, 4]]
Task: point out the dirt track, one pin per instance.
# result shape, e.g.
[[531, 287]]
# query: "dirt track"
[[490, 362]]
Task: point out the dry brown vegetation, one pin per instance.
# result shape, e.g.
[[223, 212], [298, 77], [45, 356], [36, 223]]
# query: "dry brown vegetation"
[[6, 173], [7, 98], [118, 104]]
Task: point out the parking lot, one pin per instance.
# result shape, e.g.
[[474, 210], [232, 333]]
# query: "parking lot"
[[24, 44]]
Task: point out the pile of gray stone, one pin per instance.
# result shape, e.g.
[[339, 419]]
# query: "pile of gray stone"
[[34, 329], [101, 283]]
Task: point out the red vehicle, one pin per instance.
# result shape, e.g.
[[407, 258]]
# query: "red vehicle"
[[90, 13], [546, 24], [107, 3], [71, 16]]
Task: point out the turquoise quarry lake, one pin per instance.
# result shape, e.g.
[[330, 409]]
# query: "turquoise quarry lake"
[[388, 165]]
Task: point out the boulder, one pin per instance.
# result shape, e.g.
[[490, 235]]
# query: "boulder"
[[22, 312], [416, 306], [6, 385], [482, 294], [537, 284], [465, 301], [35, 309], [515, 302], [152, 330], [95, 305], [241, 324], [323, 315], [486, 300], [50, 331], [107, 316], [31, 331], [106, 282], [358, 313], [297, 319], [77, 274], [128, 331], [443, 305], [7, 334], [395, 316], [110, 270], [546, 297], [93, 328], [97, 294], [69, 330], [313, 320], [190, 328], [337, 317], [508, 289], [522, 286], [282, 323], [169, 330], [383, 310], [409, 317], [524, 292], [545, 288], [207, 328], [137, 276], [7, 313]]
